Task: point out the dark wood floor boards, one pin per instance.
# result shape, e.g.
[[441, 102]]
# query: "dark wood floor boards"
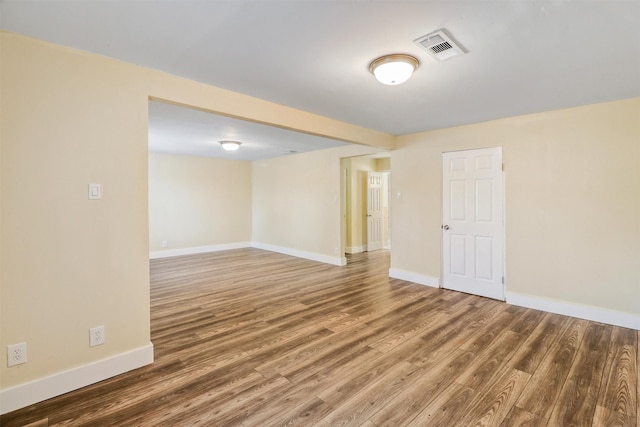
[[616, 401], [545, 385], [445, 409], [520, 417], [360, 405], [493, 401], [529, 356], [252, 338], [405, 405], [580, 391]]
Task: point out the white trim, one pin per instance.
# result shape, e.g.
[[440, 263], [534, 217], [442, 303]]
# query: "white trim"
[[339, 261], [411, 276], [36, 391], [355, 249], [198, 250], [588, 312]]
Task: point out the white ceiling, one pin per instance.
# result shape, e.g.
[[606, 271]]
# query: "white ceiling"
[[178, 130], [524, 56]]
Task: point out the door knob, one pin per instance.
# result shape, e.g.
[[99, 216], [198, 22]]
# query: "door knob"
[[445, 227]]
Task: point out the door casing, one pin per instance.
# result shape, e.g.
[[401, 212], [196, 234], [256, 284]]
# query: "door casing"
[[374, 211]]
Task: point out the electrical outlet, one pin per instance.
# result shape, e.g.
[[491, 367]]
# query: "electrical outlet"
[[165, 243], [16, 354], [96, 336]]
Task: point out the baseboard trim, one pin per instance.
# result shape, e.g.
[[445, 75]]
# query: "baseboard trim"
[[339, 261], [36, 391], [198, 250], [596, 314], [355, 249], [414, 277]]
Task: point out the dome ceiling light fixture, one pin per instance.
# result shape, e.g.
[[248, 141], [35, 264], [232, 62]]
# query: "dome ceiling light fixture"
[[230, 145], [394, 69]]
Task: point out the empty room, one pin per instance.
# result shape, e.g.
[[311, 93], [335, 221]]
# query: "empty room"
[[358, 213]]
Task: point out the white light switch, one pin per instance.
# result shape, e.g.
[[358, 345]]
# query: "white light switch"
[[95, 191]]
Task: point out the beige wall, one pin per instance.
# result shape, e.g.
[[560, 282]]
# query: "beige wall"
[[68, 119], [296, 200], [69, 263], [572, 202], [383, 164], [198, 201]]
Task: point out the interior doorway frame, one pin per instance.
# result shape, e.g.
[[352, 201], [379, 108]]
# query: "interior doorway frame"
[[345, 191]]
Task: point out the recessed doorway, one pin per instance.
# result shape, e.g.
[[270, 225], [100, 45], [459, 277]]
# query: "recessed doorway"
[[366, 212]]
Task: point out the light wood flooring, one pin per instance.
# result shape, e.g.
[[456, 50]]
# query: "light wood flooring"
[[253, 338]]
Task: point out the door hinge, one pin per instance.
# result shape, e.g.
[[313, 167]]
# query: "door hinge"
[[503, 280], [503, 167]]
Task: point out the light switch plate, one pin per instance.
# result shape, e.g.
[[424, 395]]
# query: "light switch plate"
[[95, 191]]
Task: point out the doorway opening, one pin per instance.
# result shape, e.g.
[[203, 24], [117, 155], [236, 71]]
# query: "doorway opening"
[[366, 208]]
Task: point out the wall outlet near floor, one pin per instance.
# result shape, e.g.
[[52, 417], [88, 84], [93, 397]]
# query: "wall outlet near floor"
[[165, 243], [16, 354], [96, 336]]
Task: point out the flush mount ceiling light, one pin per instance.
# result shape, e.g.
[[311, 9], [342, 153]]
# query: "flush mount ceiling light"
[[230, 145], [394, 69]]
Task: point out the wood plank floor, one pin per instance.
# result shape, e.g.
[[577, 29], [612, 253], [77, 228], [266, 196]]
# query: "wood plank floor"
[[253, 338]]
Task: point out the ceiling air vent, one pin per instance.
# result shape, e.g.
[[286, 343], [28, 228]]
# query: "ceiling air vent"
[[440, 45]]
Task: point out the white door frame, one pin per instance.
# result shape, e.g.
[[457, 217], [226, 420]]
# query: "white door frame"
[[375, 195]]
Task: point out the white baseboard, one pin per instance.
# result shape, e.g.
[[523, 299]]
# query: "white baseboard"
[[414, 277], [198, 250], [355, 249], [339, 261], [36, 391], [596, 314]]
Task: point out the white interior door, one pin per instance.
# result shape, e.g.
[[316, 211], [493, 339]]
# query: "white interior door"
[[473, 226], [374, 211]]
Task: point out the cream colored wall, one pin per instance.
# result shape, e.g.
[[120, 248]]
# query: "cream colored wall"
[[70, 263], [70, 118], [198, 201], [296, 200], [572, 201], [383, 164]]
